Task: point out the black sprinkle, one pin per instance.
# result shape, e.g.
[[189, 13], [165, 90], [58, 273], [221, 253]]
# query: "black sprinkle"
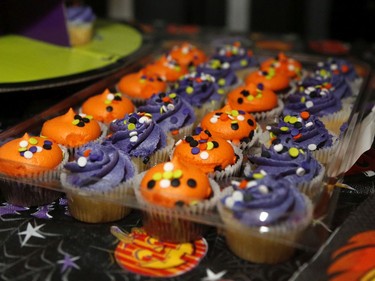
[[193, 143], [189, 139], [215, 143], [287, 140], [133, 120], [245, 93], [298, 125], [240, 100], [208, 133], [86, 120], [191, 183], [145, 160], [81, 124], [285, 149], [118, 98], [234, 126], [77, 116], [109, 108], [151, 184], [47, 147], [175, 182], [250, 122]]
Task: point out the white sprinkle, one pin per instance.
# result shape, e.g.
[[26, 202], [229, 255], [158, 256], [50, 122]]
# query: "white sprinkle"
[[268, 128], [213, 120], [251, 184], [300, 171], [237, 196], [222, 52], [110, 96], [168, 166], [164, 183], [231, 117], [39, 149], [333, 66], [133, 133], [309, 124], [240, 118], [263, 189], [143, 119], [235, 183], [291, 67], [178, 142], [82, 161], [320, 64], [28, 155], [278, 147], [276, 64], [263, 172], [23, 143], [309, 104], [134, 139], [229, 202], [312, 146], [164, 108], [204, 155], [170, 106], [225, 65], [185, 50]]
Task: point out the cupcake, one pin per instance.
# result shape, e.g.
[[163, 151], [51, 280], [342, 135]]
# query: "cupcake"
[[80, 22], [166, 68], [240, 59], [107, 106], [257, 100], [141, 139], [187, 55], [180, 189], [234, 125], [139, 87], [284, 65], [224, 75], [292, 163], [277, 82], [264, 218], [73, 130], [172, 113], [200, 91], [98, 175], [212, 155], [305, 131], [26, 164]]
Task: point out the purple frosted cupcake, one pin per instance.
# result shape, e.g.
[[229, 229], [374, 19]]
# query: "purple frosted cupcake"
[[97, 174], [223, 73], [80, 22], [140, 138], [264, 216], [200, 91], [172, 113]]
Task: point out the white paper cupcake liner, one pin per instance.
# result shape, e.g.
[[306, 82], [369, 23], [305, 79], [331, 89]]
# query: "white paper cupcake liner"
[[269, 244], [334, 121], [182, 132], [268, 115]]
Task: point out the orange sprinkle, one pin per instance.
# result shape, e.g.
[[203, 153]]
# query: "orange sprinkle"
[[174, 132], [237, 44], [344, 68], [228, 54], [305, 115], [296, 137], [223, 117], [203, 146], [328, 86], [203, 135], [87, 152], [243, 184], [198, 79], [166, 99]]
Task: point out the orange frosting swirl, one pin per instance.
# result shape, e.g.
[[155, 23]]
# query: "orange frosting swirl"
[[252, 98], [107, 107], [206, 152], [284, 65], [188, 55], [166, 68], [29, 155], [172, 184], [71, 129], [230, 124], [139, 85], [270, 79]]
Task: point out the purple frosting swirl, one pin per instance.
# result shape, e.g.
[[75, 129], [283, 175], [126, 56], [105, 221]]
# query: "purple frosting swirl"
[[137, 135], [338, 67], [316, 100], [169, 111], [224, 75], [80, 14], [197, 89], [237, 56], [307, 133], [281, 160], [265, 201], [99, 167]]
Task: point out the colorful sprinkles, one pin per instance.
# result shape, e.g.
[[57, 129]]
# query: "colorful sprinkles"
[[27, 148]]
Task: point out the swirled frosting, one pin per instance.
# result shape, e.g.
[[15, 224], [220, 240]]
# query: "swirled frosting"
[[99, 167], [137, 135], [302, 130], [317, 100], [169, 111], [263, 200], [292, 163], [80, 14], [223, 73], [338, 67], [236, 55], [197, 89]]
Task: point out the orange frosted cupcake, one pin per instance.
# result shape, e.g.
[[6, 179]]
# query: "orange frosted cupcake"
[[188, 55], [166, 68], [73, 130], [211, 154], [30, 157], [277, 82], [237, 126], [284, 65], [139, 87], [182, 189], [263, 103], [107, 106]]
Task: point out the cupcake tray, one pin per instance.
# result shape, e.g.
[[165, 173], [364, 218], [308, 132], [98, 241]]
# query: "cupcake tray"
[[334, 173]]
